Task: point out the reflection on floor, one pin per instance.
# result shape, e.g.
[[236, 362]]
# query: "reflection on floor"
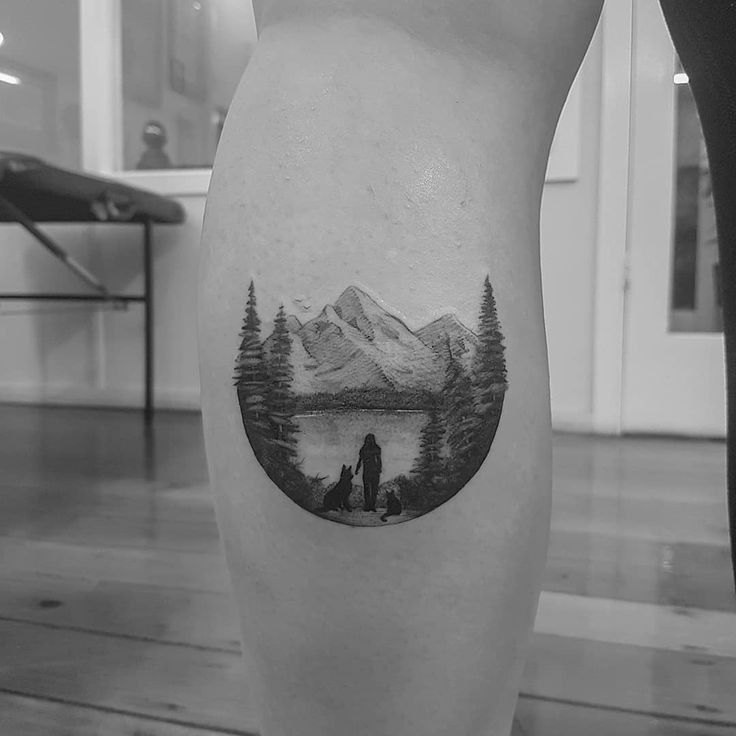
[[115, 617]]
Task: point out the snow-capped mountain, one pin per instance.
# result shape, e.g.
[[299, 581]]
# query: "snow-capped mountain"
[[357, 344], [449, 335]]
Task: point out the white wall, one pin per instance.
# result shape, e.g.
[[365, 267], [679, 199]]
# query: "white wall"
[[90, 357], [190, 123], [77, 354]]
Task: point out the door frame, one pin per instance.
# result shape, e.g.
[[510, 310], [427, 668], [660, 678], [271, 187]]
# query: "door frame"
[[646, 379], [613, 212]]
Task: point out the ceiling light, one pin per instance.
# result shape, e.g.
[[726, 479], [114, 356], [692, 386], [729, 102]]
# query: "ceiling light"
[[681, 78], [9, 78], [2, 38]]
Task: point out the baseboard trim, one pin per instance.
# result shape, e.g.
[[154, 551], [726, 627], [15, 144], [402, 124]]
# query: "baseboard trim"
[[573, 422], [119, 398]]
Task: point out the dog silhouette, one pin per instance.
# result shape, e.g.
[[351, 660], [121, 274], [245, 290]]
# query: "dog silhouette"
[[338, 497]]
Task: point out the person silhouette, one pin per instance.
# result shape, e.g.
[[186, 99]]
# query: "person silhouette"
[[370, 460]]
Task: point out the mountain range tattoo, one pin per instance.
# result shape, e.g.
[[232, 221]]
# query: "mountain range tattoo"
[[362, 421]]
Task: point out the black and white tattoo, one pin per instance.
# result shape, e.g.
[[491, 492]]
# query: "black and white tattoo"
[[361, 420]]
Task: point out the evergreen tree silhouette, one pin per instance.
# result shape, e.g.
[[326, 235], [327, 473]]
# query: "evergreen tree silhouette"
[[281, 401], [488, 367], [251, 379], [462, 422], [429, 465]]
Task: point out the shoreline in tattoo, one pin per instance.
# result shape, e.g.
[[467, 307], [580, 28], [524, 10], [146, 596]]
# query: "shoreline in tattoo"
[[359, 419]]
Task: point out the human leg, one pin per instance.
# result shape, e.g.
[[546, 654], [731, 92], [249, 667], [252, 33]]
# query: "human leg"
[[704, 33], [379, 162], [374, 492], [366, 493]]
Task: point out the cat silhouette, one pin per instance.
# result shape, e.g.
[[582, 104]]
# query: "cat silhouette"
[[393, 506], [338, 497]]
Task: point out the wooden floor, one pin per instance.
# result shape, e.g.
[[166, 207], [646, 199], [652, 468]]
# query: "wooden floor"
[[115, 615]]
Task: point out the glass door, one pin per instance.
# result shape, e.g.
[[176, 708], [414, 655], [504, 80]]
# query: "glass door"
[[673, 378]]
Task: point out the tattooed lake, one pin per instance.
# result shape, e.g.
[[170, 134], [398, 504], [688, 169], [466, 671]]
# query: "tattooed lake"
[[327, 440]]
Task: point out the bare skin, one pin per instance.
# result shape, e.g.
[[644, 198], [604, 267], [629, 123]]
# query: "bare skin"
[[400, 146]]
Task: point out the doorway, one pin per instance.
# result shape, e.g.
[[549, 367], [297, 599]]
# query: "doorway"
[[673, 366]]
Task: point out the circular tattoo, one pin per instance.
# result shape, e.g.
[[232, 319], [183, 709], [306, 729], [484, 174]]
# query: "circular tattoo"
[[363, 421]]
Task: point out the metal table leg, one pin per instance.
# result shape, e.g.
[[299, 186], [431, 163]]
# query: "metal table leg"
[[148, 319]]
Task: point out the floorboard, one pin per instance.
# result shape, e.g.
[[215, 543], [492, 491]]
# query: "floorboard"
[[26, 559], [536, 717], [149, 612], [203, 687], [41, 717], [616, 566], [34, 717], [193, 686]]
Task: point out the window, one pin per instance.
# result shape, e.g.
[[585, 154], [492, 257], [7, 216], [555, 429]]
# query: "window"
[[118, 86], [181, 63], [695, 289], [39, 80]]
